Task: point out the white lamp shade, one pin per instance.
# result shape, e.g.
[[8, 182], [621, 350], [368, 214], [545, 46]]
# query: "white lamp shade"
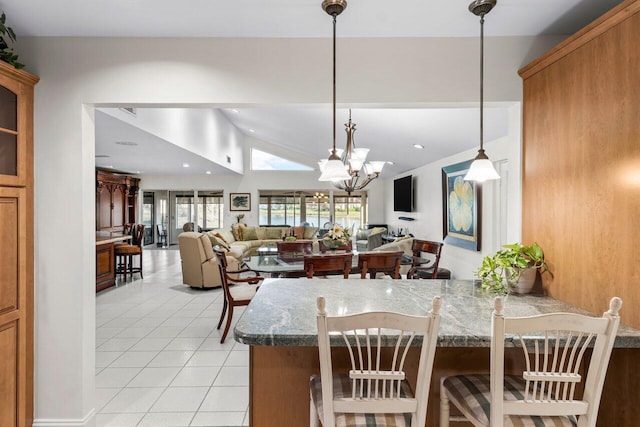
[[481, 170], [356, 164], [322, 163], [360, 153], [334, 170], [377, 166]]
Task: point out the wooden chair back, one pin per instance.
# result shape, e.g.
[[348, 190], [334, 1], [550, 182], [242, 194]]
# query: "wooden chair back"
[[239, 295], [137, 235], [383, 261], [377, 376], [420, 247], [553, 362], [295, 249], [324, 248], [328, 264]]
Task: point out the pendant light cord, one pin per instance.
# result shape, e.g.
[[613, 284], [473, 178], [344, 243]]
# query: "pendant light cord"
[[334, 84], [481, 82]]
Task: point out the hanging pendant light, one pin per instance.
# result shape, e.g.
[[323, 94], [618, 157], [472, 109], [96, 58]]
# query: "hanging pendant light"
[[334, 169], [348, 169], [481, 168]]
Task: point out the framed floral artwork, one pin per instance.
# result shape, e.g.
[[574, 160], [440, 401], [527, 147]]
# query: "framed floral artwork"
[[461, 207], [240, 202]]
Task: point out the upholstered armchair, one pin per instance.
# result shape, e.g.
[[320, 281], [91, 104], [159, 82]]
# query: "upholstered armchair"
[[368, 240], [199, 265]]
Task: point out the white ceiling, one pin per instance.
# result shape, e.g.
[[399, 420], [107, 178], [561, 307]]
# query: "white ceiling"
[[294, 18], [389, 133]]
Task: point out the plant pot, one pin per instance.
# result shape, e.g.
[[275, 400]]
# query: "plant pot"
[[525, 282]]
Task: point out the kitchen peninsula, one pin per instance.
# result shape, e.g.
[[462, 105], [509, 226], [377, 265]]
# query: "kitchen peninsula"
[[105, 258], [280, 327]]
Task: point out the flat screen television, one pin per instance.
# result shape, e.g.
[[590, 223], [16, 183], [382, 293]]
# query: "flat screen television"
[[403, 194]]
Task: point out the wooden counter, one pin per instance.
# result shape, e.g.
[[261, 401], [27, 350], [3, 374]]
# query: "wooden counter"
[[105, 258], [280, 327]]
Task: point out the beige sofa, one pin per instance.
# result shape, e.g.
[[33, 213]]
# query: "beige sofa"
[[243, 241], [199, 265]]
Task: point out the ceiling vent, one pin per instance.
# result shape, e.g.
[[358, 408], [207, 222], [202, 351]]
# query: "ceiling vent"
[[131, 110]]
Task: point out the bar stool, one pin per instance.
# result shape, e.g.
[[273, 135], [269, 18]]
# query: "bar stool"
[[125, 254]]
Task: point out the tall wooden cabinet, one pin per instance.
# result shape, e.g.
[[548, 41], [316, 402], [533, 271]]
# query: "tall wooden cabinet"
[[16, 246], [116, 200]]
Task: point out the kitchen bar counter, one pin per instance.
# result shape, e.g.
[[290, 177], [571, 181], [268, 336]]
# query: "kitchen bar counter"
[[280, 327], [105, 258]]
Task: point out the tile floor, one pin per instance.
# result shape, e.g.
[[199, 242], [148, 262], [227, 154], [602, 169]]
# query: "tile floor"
[[159, 361]]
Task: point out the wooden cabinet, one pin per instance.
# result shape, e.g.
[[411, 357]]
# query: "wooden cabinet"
[[116, 200], [16, 246]]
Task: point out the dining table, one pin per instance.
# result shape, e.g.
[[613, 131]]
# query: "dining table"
[[279, 325]]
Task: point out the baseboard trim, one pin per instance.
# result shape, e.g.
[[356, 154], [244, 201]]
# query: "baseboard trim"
[[88, 420]]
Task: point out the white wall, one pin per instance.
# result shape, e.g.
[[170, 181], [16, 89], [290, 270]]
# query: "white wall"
[[182, 72], [204, 131], [499, 226]]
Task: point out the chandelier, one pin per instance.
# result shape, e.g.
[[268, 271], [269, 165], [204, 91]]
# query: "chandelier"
[[346, 168], [481, 168]]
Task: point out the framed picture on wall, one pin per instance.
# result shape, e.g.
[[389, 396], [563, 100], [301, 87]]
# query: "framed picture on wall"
[[461, 207], [240, 202]]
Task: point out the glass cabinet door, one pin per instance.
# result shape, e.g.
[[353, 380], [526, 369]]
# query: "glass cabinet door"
[[16, 128], [8, 132]]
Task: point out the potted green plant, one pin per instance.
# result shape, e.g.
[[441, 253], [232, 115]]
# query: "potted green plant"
[[6, 52], [512, 269]]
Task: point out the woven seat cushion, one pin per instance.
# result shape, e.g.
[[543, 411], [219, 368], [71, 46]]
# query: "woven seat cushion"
[[342, 388], [127, 250], [472, 394], [242, 292]]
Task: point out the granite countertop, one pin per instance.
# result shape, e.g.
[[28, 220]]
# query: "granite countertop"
[[283, 312], [104, 237]]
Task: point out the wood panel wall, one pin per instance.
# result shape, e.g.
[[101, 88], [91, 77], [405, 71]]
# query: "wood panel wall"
[[581, 163]]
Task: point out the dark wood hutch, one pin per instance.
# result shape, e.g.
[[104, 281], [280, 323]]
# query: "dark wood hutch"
[[116, 201]]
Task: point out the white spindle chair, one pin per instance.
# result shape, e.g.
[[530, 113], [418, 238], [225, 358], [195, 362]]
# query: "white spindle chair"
[[544, 395], [375, 391]]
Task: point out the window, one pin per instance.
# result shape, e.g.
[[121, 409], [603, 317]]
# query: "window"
[[279, 210], [318, 209], [184, 209], [296, 207], [210, 210], [261, 161], [348, 211]]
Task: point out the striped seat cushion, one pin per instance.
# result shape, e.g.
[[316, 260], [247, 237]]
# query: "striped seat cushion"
[[472, 395], [342, 388]]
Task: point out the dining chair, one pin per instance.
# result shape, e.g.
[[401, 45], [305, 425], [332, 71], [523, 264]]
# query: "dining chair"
[[327, 264], [125, 253], [239, 294], [545, 393], [379, 262], [420, 268], [375, 392]]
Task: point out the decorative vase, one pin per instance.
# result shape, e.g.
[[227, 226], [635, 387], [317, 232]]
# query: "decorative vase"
[[525, 282]]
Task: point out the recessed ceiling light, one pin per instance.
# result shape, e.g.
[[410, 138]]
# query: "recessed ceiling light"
[[185, 165], [418, 146], [251, 130], [137, 172], [208, 172], [127, 143], [110, 166], [390, 163], [235, 111]]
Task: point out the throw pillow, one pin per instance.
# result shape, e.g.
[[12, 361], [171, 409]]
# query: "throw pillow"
[[310, 232], [298, 231], [273, 233], [221, 237], [235, 230], [249, 233], [218, 241]]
